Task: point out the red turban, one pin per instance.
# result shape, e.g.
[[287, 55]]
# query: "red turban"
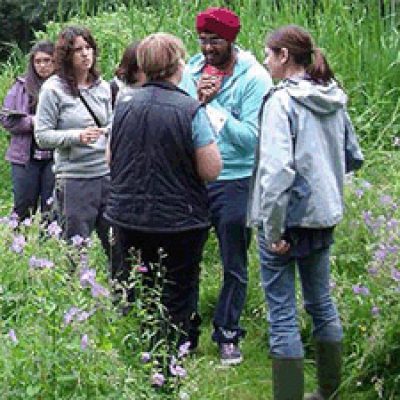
[[221, 21]]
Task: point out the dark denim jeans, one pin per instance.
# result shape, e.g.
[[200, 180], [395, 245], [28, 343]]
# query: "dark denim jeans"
[[278, 281], [32, 182], [228, 204]]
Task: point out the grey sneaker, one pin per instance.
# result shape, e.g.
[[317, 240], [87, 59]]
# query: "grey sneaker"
[[230, 354]]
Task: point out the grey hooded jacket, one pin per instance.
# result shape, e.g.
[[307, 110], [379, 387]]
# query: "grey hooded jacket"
[[307, 144]]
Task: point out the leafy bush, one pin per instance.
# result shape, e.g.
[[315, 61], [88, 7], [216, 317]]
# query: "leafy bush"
[[62, 336]]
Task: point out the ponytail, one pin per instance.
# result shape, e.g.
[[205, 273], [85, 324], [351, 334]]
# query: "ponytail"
[[320, 71], [300, 46]]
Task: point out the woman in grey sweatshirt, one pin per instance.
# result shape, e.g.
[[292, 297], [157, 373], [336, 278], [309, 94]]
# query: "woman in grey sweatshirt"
[[73, 115]]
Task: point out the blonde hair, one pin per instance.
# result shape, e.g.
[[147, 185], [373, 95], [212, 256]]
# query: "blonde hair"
[[159, 55]]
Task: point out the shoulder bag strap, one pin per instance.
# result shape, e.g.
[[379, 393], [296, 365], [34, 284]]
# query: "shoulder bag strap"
[[96, 120]]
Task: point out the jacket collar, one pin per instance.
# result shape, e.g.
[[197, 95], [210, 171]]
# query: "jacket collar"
[[165, 85]]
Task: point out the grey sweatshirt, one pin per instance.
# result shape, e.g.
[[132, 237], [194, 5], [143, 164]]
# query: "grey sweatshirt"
[[60, 118]]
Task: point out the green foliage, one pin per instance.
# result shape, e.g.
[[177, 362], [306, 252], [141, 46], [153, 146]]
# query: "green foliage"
[[361, 41], [62, 337], [20, 18]]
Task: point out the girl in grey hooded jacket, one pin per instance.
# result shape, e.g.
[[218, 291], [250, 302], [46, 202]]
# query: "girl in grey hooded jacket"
[[306, 145]]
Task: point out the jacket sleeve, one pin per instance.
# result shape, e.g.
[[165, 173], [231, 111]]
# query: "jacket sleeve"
[[16, 125], [46, 133], [242, 129], [352, 150], [276, 169]]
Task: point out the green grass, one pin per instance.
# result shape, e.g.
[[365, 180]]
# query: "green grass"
[[363, 49]]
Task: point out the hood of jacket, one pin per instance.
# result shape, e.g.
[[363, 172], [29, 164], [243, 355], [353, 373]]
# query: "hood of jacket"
[[321, 99]]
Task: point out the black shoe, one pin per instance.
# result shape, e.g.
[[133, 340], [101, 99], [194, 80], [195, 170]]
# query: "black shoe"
[[230, 354]]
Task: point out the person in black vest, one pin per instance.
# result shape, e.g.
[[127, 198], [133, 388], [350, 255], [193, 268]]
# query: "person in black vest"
[[162, 150]]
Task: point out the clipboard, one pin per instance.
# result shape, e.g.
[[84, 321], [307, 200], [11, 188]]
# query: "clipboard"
[[6, 112]]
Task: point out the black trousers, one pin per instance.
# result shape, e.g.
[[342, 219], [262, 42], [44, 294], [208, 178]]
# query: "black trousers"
[[181, 256]]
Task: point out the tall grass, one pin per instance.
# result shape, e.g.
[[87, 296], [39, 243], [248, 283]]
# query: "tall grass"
[[362, 46]]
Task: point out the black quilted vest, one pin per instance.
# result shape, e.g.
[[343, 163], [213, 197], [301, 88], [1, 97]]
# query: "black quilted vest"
[[154, 183]]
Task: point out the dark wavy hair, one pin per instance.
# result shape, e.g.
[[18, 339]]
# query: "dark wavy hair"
[[33, 82], [128, 67], [64, 54], [300, 46]]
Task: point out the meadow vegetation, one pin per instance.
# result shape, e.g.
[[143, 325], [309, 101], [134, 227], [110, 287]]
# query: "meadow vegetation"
[[62, 339]]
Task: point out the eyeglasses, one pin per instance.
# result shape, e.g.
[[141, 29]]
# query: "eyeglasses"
[[211, 41], [43, 61], [81, 49]]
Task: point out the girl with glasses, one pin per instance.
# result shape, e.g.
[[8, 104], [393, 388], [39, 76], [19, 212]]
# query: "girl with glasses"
[[31, 166]]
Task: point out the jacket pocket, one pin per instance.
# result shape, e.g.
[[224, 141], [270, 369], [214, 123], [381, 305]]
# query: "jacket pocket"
[[298, 202]]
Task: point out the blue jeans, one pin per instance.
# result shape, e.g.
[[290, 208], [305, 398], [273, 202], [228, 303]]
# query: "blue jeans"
[[32, 182], [278, 281], [228, 205]]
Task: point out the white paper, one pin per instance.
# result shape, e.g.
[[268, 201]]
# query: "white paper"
[[100, 143], [216, 117]]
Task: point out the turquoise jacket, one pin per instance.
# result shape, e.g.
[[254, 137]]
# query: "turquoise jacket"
[[239, 99]]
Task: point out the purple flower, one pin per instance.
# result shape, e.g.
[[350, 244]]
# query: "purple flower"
[[142, 269], [367, 216], [84, 341], [395, 274], [157, 379], [392, 223], [18, 244], [13, 336], [362, 290], [12, 223], [77, 314], [54, 229], [98, 291], [332, 285], [373, 271], [83, 316], [35, 262], [77, 241], [386, 200], [177, 370], [366, 185], [380, 254], [375, 310], [70, 314], [87, 277], [359, 193], [27, 222], [393, 249], [184, 349], [145, 357]]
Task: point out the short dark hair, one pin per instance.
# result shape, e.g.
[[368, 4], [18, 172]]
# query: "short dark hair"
[[128, 67]]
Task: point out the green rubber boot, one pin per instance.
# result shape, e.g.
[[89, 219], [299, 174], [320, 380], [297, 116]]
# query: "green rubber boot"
[[288, 378], [329, 364]]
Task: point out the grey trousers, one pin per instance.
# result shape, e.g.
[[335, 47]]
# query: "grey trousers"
[[80, 204]]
